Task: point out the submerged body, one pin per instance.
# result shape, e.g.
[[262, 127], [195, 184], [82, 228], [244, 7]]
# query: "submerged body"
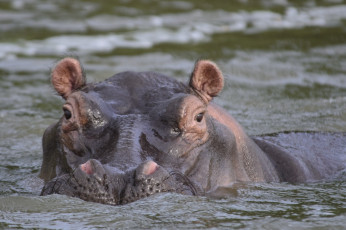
[[136, 134]]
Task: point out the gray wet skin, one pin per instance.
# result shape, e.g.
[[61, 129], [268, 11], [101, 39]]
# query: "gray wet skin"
[[140, 133]]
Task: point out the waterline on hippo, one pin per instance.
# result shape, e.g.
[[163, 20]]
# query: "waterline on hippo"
[[140, 133]]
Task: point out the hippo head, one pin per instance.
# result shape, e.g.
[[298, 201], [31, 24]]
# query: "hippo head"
[[130, 131], [139, 133]]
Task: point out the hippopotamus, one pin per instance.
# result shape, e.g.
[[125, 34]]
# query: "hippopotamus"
[[140, 133]]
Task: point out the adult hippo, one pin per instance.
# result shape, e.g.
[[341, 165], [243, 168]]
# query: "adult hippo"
[[140, 133]]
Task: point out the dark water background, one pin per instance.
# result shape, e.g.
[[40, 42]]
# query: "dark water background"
[[285, 67]]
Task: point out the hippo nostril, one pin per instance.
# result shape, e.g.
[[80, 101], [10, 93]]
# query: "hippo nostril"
[[87, 168], [149, 168]]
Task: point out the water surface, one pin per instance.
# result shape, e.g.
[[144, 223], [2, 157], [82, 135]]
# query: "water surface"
[[284, 63]]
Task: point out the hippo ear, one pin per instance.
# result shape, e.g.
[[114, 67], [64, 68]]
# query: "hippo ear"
[[68, 76], [206, 79]]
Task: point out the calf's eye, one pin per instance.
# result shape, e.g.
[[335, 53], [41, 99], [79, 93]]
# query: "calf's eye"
[[67, 114], [199, 117]]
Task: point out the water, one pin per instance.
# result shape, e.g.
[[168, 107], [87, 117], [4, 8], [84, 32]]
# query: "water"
[[285, 68]]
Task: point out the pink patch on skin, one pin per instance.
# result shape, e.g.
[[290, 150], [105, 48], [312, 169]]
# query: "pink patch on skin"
[[87, 168], [150, 168]]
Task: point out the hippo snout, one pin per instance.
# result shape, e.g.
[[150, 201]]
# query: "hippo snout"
[[92, 181]]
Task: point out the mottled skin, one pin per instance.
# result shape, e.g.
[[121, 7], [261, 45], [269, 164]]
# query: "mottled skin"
[[95, 182], [139, 133]]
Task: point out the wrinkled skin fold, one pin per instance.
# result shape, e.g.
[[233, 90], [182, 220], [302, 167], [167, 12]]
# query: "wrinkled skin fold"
[[140, 133]]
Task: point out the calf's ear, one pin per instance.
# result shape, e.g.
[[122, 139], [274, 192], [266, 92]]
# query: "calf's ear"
[[206, 79], [67, 76]]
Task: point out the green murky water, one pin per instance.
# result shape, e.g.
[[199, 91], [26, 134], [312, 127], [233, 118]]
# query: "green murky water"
[[285, 67]]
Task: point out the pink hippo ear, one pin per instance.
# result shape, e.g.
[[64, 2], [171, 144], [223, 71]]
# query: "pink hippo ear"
[[206, 79], [68, 76]]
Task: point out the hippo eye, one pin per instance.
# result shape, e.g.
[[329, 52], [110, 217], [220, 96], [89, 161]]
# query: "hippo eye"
[[67, 114], [199, 117]]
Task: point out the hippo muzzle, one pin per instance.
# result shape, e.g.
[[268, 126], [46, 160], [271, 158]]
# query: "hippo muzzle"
[[95, 182]]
